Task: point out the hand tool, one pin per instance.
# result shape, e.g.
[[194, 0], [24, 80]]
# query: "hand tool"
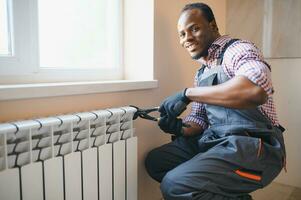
[[144, 114]]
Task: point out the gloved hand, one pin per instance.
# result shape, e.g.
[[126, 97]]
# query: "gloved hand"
[[171, 125], [174, 105]]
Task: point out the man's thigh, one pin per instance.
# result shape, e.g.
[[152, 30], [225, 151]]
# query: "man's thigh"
[[202, 175], [232, 168], [165, 158]]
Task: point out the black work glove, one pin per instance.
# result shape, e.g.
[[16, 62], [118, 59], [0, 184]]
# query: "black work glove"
[[171, 125], [174, 105]]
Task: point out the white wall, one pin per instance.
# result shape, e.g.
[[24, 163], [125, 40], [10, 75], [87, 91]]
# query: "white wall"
[[287, 85]]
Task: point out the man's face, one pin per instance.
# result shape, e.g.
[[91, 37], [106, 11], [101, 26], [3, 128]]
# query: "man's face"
[[196, 33]]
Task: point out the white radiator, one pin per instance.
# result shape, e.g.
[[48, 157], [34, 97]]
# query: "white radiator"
[[84, 156]]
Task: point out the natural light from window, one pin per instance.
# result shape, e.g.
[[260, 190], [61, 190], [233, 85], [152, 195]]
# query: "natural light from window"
[[4, 39], [54, 48], [74, 34]]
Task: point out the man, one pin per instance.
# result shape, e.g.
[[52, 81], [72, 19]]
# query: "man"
[[231, 143]]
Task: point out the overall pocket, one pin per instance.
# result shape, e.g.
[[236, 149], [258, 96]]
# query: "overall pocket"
[[251, 168]]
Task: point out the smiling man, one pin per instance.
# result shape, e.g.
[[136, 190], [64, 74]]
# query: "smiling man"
[[231, 143]]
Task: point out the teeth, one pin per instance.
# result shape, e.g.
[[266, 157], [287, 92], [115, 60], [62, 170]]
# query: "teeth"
[[190, 46]]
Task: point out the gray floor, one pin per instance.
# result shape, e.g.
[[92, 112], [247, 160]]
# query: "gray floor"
[[277, 191]]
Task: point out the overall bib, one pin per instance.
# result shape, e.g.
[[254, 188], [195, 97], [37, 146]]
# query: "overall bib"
[[240, 152]]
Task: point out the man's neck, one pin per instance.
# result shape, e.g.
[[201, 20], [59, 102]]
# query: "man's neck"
[[204, 59]]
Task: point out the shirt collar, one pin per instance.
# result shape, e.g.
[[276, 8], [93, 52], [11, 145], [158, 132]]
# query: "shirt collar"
[[219, 42]]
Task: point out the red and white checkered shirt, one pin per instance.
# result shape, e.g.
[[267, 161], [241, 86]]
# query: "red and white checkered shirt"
[[240, 58]]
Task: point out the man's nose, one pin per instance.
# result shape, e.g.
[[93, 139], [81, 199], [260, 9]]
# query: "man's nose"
[[189, 36]]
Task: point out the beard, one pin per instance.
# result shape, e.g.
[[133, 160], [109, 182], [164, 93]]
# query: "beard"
[[204, 52], [199, 55]]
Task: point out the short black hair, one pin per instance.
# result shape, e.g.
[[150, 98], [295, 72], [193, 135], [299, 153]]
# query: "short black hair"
[[206, 10]]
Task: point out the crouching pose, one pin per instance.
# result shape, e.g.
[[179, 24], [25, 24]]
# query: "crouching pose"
[[231, 143]]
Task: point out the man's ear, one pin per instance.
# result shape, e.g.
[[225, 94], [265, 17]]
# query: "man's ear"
[[213, 25]]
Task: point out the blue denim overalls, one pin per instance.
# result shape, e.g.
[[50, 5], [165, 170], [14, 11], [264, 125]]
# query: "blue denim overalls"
[[240, 152]]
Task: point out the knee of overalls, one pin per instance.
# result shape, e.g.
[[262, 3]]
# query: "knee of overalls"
[[169, 187], [152, 164], [175, 186]]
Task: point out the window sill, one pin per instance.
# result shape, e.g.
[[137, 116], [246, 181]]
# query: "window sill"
[[26, 91]]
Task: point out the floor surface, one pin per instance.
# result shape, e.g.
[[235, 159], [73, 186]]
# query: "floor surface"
[[277, 191]]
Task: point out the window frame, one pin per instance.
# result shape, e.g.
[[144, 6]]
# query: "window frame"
[[20, 40], [139, 62]]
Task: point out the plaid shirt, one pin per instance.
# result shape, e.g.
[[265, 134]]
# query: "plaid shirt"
[[241, 58]]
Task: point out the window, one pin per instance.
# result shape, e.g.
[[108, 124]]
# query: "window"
[[58, 48], [80, 34], [59, 41], [4, 33]]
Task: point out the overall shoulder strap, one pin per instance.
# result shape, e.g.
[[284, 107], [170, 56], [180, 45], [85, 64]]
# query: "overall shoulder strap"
[[221, 55], [200, 72]]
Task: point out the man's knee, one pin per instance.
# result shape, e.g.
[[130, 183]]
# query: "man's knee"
[[168, 187], [152, 164], [174, 187]]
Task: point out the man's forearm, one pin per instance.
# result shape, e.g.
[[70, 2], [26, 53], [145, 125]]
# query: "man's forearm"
[[239, 93]]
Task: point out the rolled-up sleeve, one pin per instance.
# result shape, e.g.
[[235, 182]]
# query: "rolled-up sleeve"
[[246, 60], [198, 113]]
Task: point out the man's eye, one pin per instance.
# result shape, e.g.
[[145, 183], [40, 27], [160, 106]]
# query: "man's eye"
[[181, 35], [195, 29]]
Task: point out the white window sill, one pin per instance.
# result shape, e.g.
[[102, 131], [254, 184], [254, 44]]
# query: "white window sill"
[[26, 91]]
